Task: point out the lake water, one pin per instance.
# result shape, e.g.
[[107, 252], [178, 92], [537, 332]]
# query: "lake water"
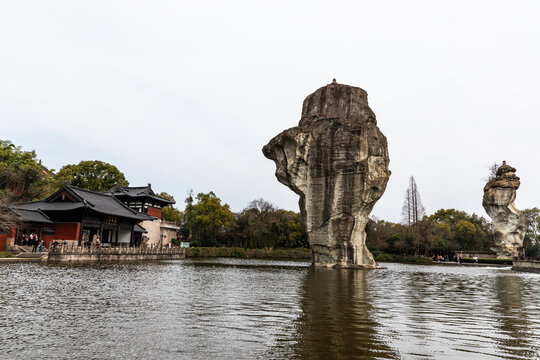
[[249, 309]]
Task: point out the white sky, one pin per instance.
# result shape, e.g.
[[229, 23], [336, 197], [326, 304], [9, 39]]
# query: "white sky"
[[184, 94]]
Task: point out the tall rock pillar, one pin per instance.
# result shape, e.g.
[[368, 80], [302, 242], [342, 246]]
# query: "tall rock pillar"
[[336, 160], [509, 224]]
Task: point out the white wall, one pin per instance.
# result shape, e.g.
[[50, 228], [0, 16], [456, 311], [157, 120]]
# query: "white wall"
[[152, 226], [124, 236]]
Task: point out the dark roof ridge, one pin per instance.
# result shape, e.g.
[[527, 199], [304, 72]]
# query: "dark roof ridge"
[[110, 196], [91, 191], [38, 210], [133, 191], [67, 187], [100, 202], [20, 212], [28, 202]]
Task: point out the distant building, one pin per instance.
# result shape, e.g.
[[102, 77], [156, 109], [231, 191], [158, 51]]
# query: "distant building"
[[144, 200]]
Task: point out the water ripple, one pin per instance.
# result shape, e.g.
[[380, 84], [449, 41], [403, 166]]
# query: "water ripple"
[[253, 309]]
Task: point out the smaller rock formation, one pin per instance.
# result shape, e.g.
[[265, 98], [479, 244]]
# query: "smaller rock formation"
[[509, 224]]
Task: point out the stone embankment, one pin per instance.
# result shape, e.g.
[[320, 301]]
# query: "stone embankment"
[[529, 265], [84, 254]]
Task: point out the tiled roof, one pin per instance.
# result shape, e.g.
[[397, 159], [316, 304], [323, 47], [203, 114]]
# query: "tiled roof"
[[139, 192], [35, 216], [46, 206], [104, 203], [139, 228]]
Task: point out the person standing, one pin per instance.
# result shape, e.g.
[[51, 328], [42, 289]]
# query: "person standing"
[[34, 242]]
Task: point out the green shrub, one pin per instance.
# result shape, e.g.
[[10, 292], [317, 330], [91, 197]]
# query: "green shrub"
[[236, 252], [384, 257], [193, 252], [380, 256], [283, 254]]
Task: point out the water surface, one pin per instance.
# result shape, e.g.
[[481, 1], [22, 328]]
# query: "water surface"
[[253, 309]]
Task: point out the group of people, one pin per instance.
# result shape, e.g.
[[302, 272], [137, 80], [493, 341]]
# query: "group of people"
[[33, 240], [95, 242], [457, 258], [439, 258]]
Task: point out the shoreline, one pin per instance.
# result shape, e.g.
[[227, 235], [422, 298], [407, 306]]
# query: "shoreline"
[[19, 259], [299, 254]]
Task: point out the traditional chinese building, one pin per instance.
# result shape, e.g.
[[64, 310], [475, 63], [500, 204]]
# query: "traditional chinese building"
[[31, 221], [76, 215], [144, 200]]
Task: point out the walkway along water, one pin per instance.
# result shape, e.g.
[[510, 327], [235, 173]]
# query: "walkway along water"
[[70, 253], [529, 265]]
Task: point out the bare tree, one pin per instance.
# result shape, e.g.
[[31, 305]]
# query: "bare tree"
[[412, 211], [262, 205], [8, 218], [492, 172]]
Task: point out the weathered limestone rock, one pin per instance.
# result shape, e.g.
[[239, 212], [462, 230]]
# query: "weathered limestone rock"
[[509, 224], [336, 159]]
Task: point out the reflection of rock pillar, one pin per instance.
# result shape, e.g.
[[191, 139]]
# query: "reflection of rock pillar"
[[509, 224], [336, 160], [336, 321], [512, 317]]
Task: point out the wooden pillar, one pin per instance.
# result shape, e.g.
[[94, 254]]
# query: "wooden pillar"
[[80, 234], [17, 231]]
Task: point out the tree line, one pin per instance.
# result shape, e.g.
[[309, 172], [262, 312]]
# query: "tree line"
[[443, 232], [207, 222]]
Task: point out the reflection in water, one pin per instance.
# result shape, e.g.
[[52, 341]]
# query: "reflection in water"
[[252, 309], [512, 318], [336, 321], [447, 312]]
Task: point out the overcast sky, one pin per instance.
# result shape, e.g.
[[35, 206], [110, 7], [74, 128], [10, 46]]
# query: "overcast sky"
[[184, 94]]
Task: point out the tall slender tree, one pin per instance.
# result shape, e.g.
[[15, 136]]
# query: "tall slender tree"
[[412, 211]]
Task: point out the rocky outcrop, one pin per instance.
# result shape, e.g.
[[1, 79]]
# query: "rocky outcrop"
[[336, 160], [509, 224]]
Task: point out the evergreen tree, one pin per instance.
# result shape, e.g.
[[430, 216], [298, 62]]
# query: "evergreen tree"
[[170, 212], [91, 175], [22, 177]]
